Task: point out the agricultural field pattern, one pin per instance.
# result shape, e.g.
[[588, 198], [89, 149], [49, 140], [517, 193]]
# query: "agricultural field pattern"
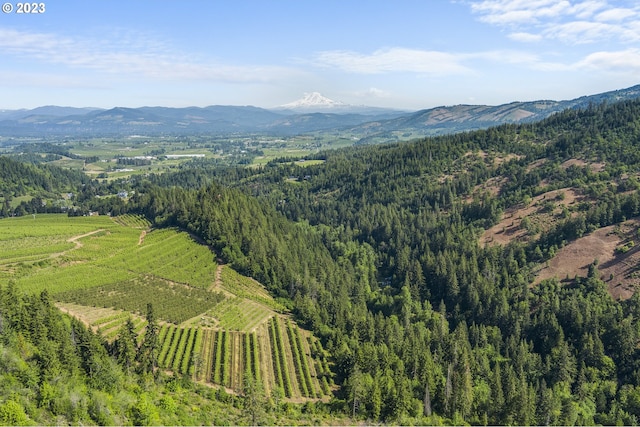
[[216, 326]]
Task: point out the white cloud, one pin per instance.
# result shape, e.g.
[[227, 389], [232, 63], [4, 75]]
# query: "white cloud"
[[393, 60], [571, 22], [373, 92], [618, 14], [514, 57], [525, 37], [626, 61], [522, 59], [580, 32], [505, 12], [586, 9], [129, 56], [46, 80], [429, 63]]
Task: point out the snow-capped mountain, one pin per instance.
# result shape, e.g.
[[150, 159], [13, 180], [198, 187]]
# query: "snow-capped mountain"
[[312, 101], [315, 102]]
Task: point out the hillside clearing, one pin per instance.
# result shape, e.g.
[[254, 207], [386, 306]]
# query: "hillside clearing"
[[510, 226], [618, 268]]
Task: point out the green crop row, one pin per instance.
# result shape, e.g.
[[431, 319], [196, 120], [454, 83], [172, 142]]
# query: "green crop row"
[[256, 356], [297, 363], [138, 325], [79, 277], [106, 247], [206, 355], [106, 320], [284, 379], [30, 248], [173, 303], [166, 345], [300, 361], [246, 345], [275, 356], [133, 221], [178, 346], [171, 354], [162, 335], [113, 324], [322, 366], [248, 288], [50, 225], [174, 256], [243, 286], [238, 314], [226, 359], [180, 350], [187, 355], [195, 352], [218, 359]]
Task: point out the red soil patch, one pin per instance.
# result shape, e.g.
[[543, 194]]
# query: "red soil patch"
[[535, 164], [574, 259], [594, 166], [509, 228], [491, 186], [500, 160]]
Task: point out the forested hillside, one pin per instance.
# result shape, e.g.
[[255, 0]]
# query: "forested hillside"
[[383, 261], [26, 188], [418, 265]]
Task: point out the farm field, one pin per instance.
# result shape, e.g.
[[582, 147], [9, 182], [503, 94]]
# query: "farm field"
[[114, 158], [215, 324]]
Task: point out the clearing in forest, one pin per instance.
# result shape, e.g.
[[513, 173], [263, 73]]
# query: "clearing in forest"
[[524, 221], [617, 253], [215, 324]]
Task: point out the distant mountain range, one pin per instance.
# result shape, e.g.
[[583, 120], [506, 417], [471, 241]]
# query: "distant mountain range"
[[48, 110], [312, 113]]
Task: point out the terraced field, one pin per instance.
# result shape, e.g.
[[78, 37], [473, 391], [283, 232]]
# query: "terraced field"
[[215, 324]]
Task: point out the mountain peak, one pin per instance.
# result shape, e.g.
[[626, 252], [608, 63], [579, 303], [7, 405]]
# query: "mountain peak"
[[313, 100]]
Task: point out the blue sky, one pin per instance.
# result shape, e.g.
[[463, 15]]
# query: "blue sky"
[[399, 54]]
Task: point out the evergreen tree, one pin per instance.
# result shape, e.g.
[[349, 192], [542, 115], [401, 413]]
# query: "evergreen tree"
[[254, 399], [148, 353], [126, 347]]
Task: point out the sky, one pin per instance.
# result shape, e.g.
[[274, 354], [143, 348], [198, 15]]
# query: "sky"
[[399, 54]]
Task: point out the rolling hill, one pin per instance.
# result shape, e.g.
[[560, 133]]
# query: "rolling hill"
[[366, 124], [484, 277]]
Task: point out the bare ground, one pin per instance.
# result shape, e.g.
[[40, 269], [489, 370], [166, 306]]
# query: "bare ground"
[[594, 166], [76, 239], [237, 361], [265, 357], [90, 316], [620, 271], [206, 355], [536, 164], [509, 228], [288, 355]]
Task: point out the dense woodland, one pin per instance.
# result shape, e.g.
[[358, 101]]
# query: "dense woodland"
[[376, 250]]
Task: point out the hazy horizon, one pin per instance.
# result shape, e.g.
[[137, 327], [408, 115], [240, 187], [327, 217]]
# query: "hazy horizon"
[[407, 55]]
